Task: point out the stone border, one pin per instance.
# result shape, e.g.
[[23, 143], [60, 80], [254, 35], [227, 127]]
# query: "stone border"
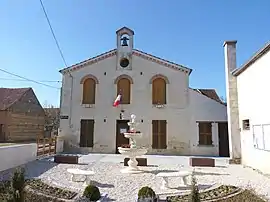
[[44, 197], [232, 194]]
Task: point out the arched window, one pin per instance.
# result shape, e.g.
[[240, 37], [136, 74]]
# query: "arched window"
[[89, 91], [159, 91], [123, 88]]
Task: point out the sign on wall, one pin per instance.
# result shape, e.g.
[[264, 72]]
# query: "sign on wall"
[[261, 136]]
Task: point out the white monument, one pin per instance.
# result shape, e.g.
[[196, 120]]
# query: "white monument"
[[133, 151]]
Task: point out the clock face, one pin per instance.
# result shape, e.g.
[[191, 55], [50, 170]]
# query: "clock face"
[[124, 62]]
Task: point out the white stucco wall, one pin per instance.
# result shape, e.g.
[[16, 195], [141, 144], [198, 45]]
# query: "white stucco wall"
[[253, 100], [180, 125], [203, 108], [15, 155]]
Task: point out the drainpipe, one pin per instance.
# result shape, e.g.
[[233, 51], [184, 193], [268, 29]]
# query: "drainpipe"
[[71, 96]]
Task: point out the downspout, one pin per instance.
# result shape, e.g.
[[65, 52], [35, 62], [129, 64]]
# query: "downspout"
[[71, 96]]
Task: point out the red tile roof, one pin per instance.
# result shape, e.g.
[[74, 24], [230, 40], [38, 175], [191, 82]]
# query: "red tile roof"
[[9, 96]]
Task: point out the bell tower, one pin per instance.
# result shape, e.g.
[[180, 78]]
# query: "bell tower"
[[124, 48]]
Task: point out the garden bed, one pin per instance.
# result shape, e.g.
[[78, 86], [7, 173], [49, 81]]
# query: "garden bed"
[[221, 194], [38, 186]]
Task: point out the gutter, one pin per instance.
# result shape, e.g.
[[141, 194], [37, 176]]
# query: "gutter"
[[71, 98]]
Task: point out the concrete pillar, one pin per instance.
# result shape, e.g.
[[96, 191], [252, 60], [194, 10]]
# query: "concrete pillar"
[[232, 100]]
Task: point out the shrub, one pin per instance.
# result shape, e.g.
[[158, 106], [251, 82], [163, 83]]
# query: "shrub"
[[92, 193], [194, 195], [146, 192], [15, 189]]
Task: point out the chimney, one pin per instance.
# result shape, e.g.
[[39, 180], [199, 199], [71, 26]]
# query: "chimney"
[[232, 100]]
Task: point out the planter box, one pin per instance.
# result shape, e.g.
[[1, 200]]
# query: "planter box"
[[66, 159], [202, 162], [141, 161]]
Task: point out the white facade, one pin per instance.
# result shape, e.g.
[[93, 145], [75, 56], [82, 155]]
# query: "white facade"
[[253, 106], [184, 107]]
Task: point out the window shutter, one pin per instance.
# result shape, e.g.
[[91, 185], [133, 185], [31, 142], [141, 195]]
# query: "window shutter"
[[159, 91], [123, 87], [89, 91], [90, 133], [155, 134], [162, 134]]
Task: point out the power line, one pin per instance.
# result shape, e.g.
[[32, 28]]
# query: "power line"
[[24, 78], [56, 42], [43, 81]]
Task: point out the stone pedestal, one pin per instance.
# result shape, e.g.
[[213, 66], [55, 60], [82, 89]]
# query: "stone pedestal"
[[141, 161]]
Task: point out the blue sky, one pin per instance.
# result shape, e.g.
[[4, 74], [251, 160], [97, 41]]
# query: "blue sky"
[[187, 32]]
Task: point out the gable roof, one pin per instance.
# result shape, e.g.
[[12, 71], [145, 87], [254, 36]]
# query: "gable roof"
[[210, 93], [8, 96], [136, 52], [253, 59], [123, 29]]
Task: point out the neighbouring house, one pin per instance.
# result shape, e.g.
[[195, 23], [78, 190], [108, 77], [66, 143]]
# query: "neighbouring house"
[[21, 115], [174, 118], [248, 107]]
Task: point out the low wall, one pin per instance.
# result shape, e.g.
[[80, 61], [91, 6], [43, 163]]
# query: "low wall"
[[253, 157], [15, 155]]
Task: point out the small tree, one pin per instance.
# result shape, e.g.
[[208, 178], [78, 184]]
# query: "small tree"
[[194, 195], [52, 117], [16, 188]]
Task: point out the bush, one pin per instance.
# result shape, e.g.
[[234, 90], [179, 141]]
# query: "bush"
[[146, 192], [92, 193], [194, 195]]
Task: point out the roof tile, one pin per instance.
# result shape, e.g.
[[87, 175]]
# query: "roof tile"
[[8, 96]]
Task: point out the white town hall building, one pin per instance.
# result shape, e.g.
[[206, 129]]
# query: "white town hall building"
[[174, 118]]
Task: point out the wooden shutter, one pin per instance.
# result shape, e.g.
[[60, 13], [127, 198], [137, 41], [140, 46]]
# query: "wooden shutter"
[[159, 134], [159, 91], [155, 134], [87, 133], [83, 133], [90, 133], [123, 87], [162, 134], [205, 133], [89, 91]]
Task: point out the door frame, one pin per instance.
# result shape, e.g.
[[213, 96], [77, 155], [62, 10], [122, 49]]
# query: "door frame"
[[116, 131]]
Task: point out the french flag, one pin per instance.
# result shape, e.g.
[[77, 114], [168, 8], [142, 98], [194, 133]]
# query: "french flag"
[[117, 100]]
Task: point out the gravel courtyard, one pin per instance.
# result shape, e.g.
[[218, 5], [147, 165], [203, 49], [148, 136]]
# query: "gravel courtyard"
[[124, 187]]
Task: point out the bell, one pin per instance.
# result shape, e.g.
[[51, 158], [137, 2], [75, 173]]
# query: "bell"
[[125, 43]]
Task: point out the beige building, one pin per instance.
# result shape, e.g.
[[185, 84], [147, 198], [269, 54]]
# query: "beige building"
[[248, 107], [174, 118]]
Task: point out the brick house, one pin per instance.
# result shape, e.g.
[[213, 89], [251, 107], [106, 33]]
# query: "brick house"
[[21, 115]]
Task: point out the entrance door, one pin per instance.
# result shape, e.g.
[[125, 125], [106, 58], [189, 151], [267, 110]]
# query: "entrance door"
[[223, 139], [87, 133], [121, 128]]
